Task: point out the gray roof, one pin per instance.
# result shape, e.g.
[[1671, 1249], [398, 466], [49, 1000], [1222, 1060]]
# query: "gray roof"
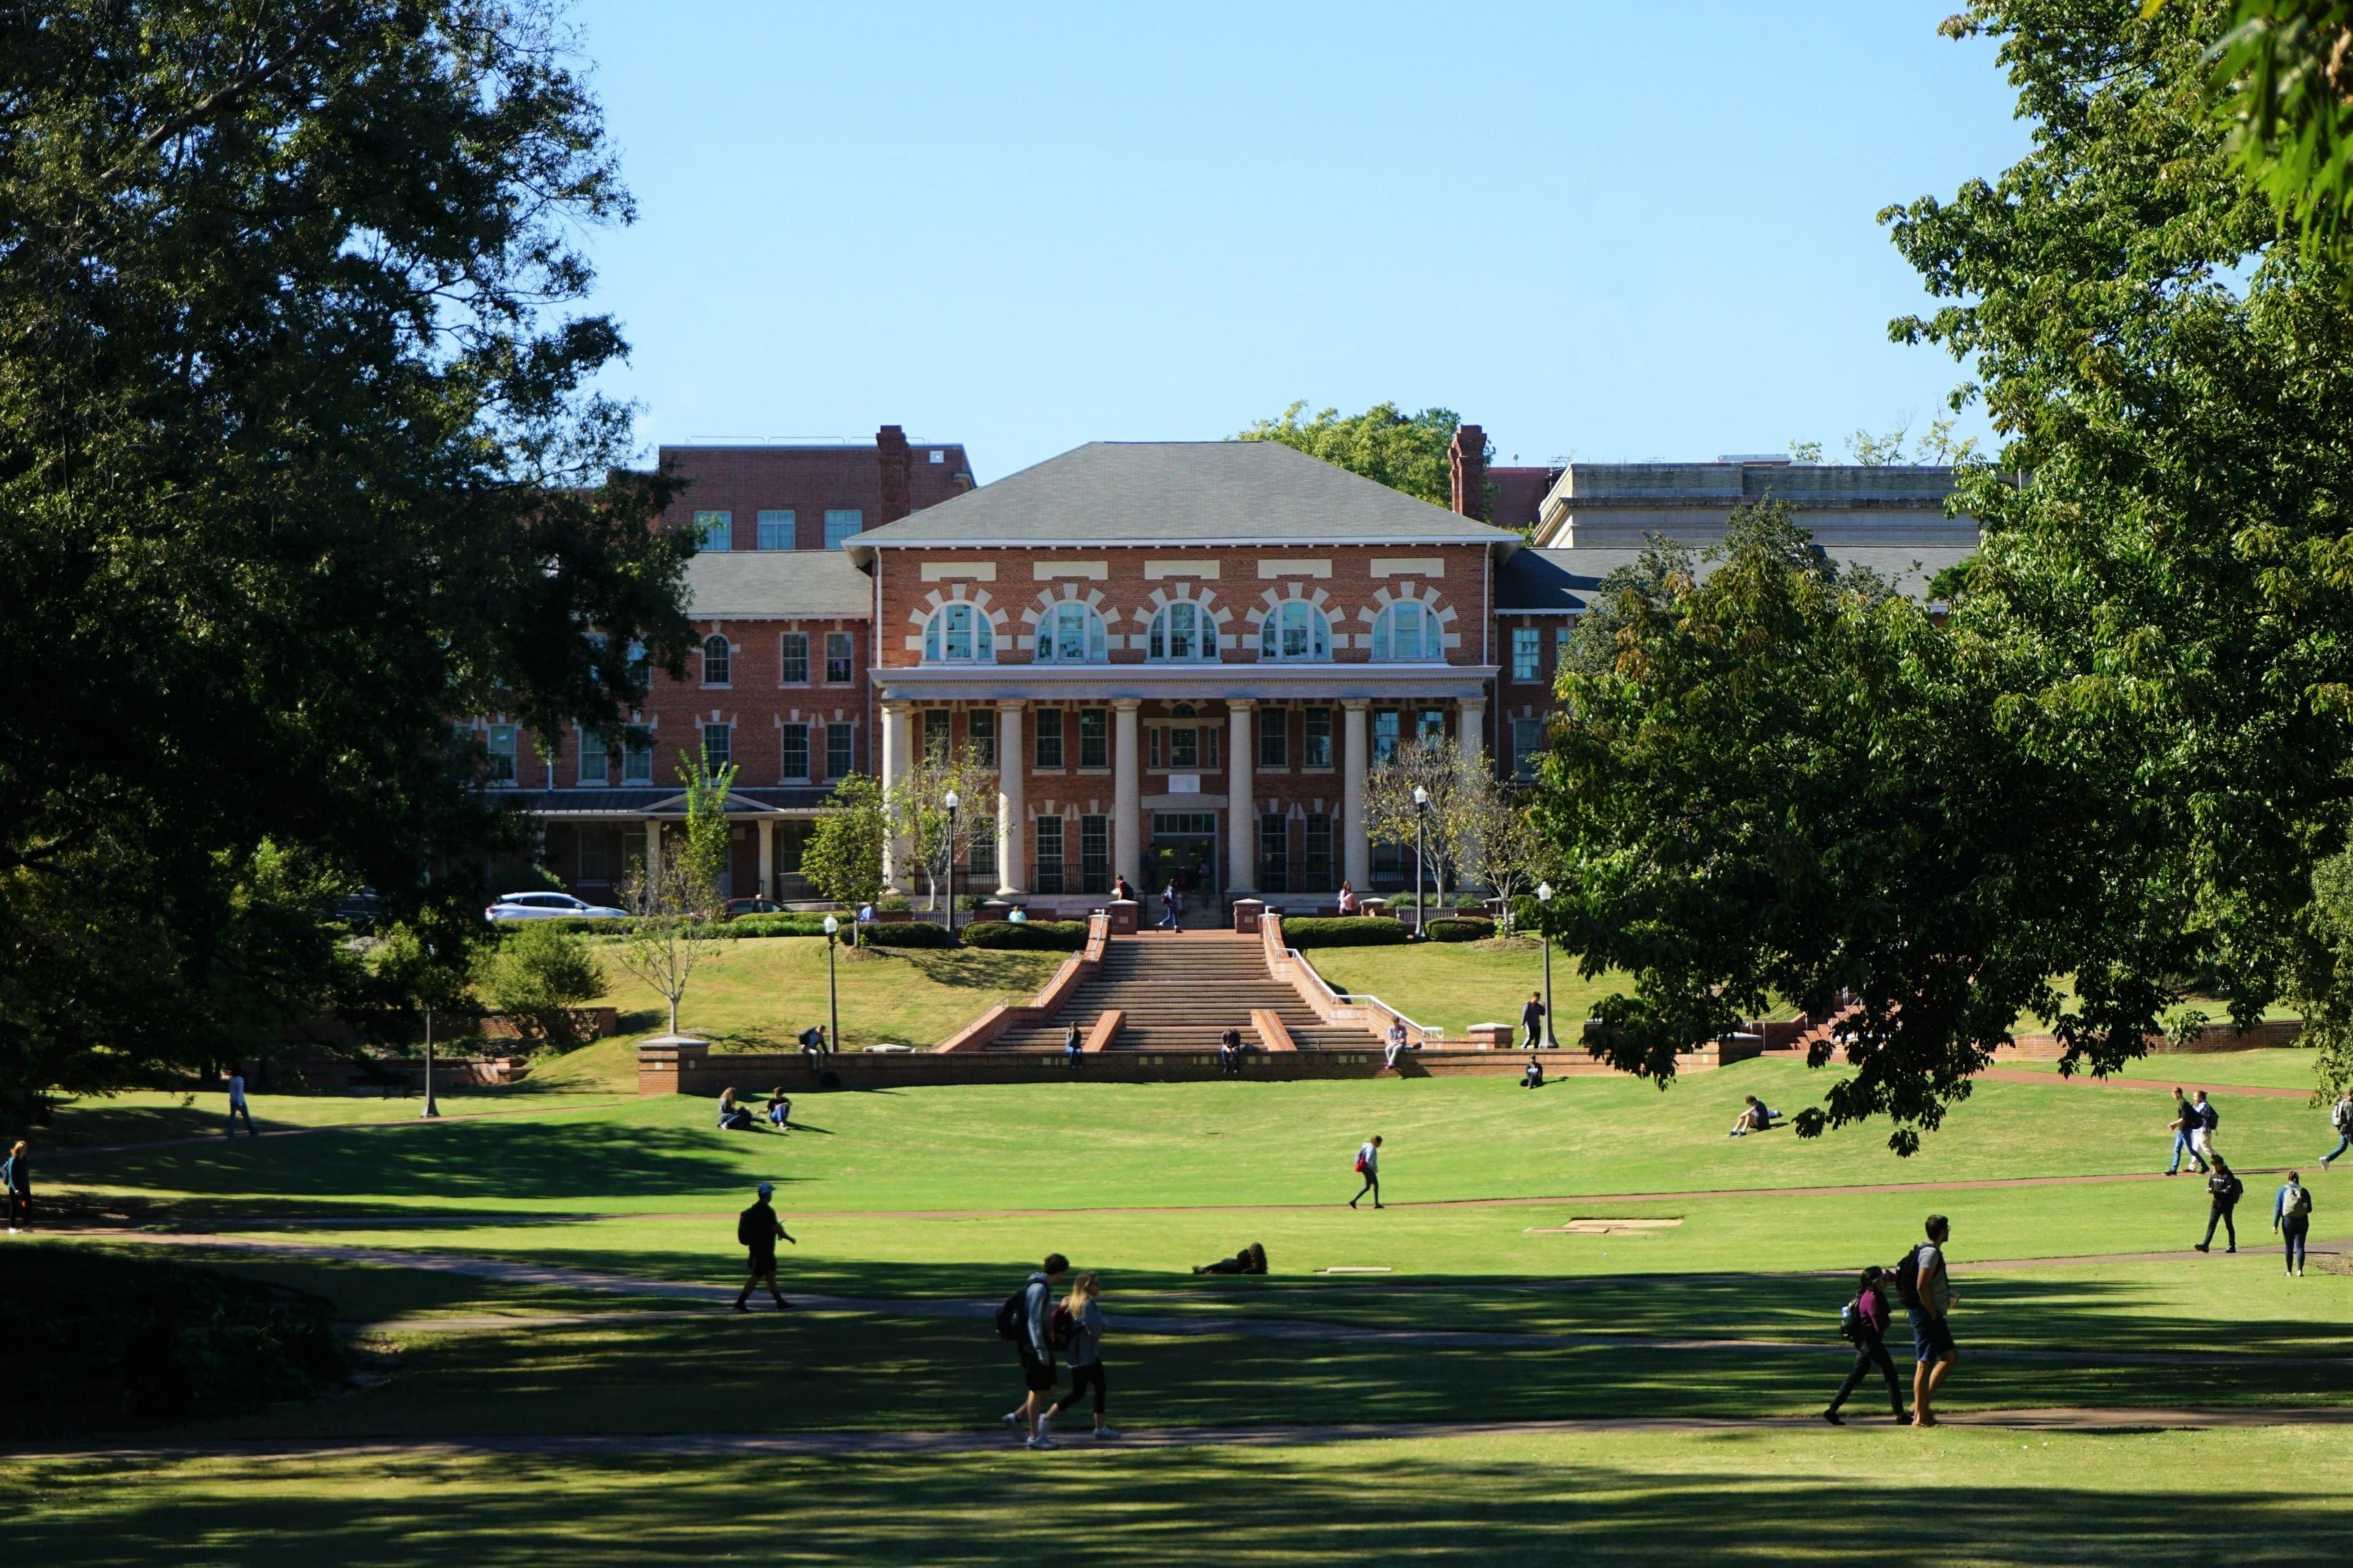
[[1181, 492], [1561, 582], [729, 584]]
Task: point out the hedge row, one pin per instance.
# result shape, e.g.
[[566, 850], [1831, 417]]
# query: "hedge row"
[[1028, 936], [1462, 930], [1345, 931], [908, 934]]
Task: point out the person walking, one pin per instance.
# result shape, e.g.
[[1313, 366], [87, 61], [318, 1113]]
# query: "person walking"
[[1369, 1165], [1172, 909], [16, 1182], [1085, 1324], [2340, 1119], [1347, 902], [2202, 1139], [758, 1229], [2292, 1217], [1027, 1319], [1925, 1289], [2184, 1126], [2225, 1188], [237, 1106], [1865, 1323], [1531, 1017]]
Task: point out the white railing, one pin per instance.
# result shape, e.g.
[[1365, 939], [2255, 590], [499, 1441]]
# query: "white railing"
[[1365, 1000]]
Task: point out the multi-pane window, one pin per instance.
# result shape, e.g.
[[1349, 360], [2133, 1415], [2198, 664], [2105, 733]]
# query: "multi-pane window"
[[795, 739], [1151, 747], [980, 726], [1407, 631], [939, 733], [1050, 853], [1315, 738], [718, 662], [1183, 747], [499, 742], [1560, 649], [1528, 650], [1209, 734], [959, 634], [1274, 738], [714, 530], [1384, 735], [718, 744], [1094, 737], [1274, 853], [837, 657], [595, 868], [1431, 728], [595, 758], [637, 755], [1050, 737], [1070, 633], [980, 857], [794, 663], [1295, 629], [840, 751], [841, 524], [1527, 746], [777, 529], [1182, 631], [1318, 857], [1094, 855]]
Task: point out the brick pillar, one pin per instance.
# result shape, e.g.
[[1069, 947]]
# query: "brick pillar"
[[897, 466], [1466, 461]]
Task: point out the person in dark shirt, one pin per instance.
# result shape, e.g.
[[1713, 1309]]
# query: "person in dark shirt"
[[1531, 1017], [758, 1229], [1869, 1322], [2223, 1188]]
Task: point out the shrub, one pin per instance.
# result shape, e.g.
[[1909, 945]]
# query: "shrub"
[[894, 901], [1030, 936], [537, 975], [779, 925], [571, 925], [1346, 931], [1462, 930], [910, 933]]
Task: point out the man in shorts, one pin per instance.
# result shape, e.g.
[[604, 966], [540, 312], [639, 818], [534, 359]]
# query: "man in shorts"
[[1929, 1302], [758, 1229], [1037, 1347]]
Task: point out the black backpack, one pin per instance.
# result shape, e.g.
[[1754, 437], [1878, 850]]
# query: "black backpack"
[[1907, 1279], [1851, 1323], [748, 1227], [1013, 1317], [1060, 1329], [2212, 1117]]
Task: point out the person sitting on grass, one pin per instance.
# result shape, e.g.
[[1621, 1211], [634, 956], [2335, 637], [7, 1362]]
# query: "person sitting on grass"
[[1251, 1259], [1754, 1117], [732, 1117], [1080, 1324], [1533, 1077], [780, 1110]]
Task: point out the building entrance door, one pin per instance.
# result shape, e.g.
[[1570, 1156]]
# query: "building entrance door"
[[1184, 851]]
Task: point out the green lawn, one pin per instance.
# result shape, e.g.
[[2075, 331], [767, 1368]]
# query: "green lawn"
[[1452, 985]]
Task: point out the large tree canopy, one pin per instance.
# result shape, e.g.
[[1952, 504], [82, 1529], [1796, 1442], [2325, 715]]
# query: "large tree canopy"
[[298, 459], [1404, 451]]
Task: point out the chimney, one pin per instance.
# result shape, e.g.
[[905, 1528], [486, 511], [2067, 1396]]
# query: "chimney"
[[1466, 459], [898, 472]]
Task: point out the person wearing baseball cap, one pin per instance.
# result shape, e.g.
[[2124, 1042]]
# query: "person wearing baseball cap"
[[758, 1229]]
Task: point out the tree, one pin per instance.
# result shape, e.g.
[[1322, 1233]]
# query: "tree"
[[539, 976], [706, 850], [1661, 570], [843, 859], [2283, 83], [1404, 451], [1506, 849], [672, 927], [299, 457], [915, 812], [1443, 830]]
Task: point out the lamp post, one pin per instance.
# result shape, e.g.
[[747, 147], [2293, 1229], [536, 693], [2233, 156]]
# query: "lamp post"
[[432, 1106], [952, 804], [832, 995], [1421, 848], [1544, 896]]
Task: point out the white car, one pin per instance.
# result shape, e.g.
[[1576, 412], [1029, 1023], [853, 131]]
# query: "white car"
[[549, 907]]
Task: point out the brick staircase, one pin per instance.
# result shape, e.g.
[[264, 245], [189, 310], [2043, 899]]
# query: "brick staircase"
[[1179, 994]]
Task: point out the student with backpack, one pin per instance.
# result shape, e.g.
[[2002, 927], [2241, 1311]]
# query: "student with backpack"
[[2292, 1217], [2184, 1126], [2201, 1137], [1863, 1325], [1026, 1317], [2225, 1189], [16, 1181], [1077, 1331], [758, 1229], [1369, 1165], [2340, 1120], [1925, 1289]]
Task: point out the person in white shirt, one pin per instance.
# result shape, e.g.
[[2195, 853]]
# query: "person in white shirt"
[[1396, 1043], [1369, 1165], [237, 1107]]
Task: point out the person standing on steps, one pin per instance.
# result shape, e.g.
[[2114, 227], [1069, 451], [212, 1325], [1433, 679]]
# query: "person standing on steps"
[[2292, 1217], [1369, 1165], [758, 1229], [16, 1183], [237, 1106], [1028, 1320], [1531, 1017], [2184, 1126], [1865, 1323], [2225, 1189], [1925, 1289], [1086, 1325], [2340, 1120]]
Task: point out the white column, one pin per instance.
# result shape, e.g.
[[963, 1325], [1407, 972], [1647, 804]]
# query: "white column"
[[1012, 807], [768, 830], [1470, 721], [898, 722], [1241, 812], [1357, 860], [1126, 792]]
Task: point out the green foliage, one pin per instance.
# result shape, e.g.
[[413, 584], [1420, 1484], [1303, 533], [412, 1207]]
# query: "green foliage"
[[908, 934], [1627, 592], [1345, 931], [1029, 936], [1461, 930], [777, 925], [843, 858], [538, 976], [705, 852], [2283, 81], [1404, 451], [521, 877]]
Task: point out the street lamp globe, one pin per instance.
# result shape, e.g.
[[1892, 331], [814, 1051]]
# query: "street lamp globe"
[[832, 926], [1543, 892], [1421, 797], [953, 803]]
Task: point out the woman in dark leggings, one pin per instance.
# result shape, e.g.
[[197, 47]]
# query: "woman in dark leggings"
[[1087, 1326], [1870, 1347]]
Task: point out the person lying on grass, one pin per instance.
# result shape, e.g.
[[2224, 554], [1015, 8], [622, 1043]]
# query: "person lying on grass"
[[1251, 1259]]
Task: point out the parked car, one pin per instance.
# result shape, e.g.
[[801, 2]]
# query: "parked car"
[[360, 909], [753, 907], [549, 907]]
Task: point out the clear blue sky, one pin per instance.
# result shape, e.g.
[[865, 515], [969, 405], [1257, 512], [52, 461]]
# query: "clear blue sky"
[[1607, 230]]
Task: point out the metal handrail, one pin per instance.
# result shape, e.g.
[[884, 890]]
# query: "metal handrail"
[[1361, 998]]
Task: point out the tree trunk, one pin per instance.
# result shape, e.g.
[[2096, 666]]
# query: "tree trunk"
[[673, 1012]]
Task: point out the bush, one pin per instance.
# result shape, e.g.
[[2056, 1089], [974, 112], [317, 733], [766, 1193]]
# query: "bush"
[[894, 901], [536, 975], [571, 925], [1345, 930], [910, 934], [1462, 930], [780, 925], [1030, 936]]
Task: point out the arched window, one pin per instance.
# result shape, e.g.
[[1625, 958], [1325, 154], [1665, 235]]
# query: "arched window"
[[718, 662], [1408, 631], [959, 634], [1182, 632], [1295, 629], [1069, 633]]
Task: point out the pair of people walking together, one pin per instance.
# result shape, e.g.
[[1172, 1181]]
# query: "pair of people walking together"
[[1925, 1288], [1038, 1328]]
